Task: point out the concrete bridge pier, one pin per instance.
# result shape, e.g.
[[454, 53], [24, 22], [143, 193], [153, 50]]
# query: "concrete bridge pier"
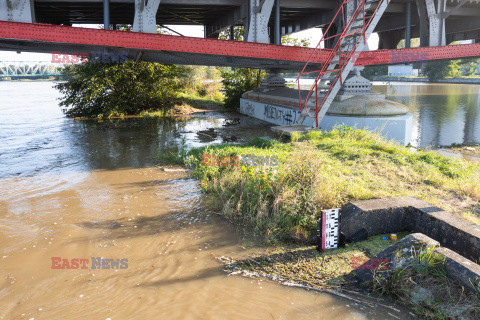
[[17, 10], [145, 16], [356, 105], [259, 16]]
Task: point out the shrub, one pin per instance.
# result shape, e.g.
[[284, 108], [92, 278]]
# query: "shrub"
[[103, 90], [237, 82]]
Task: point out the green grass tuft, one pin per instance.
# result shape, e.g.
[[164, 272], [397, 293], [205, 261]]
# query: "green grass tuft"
[[322, 170]]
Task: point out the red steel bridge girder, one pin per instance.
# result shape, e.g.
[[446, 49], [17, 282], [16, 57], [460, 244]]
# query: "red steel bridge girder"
[[53, 35]]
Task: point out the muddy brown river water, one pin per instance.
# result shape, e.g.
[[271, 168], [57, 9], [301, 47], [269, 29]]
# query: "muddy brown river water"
[[86, 189]]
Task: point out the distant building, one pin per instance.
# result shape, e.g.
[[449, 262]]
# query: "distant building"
[[400, 70]]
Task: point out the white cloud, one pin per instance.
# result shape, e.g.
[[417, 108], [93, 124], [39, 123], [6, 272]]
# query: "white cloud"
[[315, 35], [189, 31]]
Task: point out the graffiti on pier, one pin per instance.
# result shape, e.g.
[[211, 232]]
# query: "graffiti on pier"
[[280, 115], [248, 109]]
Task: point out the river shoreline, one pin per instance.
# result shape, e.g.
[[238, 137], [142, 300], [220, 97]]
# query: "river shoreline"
[[425, 80], [258, 196], [82, 189], [93, 189]]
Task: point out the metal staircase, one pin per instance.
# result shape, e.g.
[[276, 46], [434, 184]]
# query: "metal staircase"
[[359, 19]]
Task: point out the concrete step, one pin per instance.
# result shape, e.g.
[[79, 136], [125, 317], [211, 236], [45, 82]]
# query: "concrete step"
[[371, 5], [289, 130]]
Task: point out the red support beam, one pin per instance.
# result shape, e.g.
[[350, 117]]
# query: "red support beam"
[[148, 41], [397, 56], [54, 34]]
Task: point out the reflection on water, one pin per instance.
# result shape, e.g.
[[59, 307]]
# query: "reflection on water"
[[36, 138], [83, 189], [443, 113]]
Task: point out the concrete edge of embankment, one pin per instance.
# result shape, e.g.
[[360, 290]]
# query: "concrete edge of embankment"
[[454, 238], [413, 80]]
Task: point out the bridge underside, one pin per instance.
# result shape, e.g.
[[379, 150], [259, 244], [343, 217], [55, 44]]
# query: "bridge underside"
[[28, 37], [295, 15]]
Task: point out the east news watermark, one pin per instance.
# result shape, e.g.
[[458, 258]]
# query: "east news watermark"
[[359, 263], [92, 263], [94, 56], [209, 160]]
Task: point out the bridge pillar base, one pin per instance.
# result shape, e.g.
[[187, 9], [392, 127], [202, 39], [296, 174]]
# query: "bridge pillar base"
[[145, 16], [395, 127], [17, 10], [271, 82]]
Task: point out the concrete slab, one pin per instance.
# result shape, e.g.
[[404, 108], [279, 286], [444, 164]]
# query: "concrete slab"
[[391, 215], [393, 257], [399, 255], [289, 130], [396, 128]]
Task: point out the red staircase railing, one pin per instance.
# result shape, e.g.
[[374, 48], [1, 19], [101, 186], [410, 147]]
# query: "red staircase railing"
[[343, 57]]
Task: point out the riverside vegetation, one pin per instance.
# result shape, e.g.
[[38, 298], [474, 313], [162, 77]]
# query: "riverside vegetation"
[[281, 204], [322, 170], [421, 285], [100, 90]]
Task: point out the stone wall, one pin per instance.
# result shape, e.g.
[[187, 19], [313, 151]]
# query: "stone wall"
[[411, 214], [458, 268]]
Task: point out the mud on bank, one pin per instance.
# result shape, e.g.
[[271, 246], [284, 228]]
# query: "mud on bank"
[[323, 170]]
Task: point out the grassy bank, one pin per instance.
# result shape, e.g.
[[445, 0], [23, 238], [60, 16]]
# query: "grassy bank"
[[281, 203], [420, 286], [470, 150], [326, 170], [186, 104]]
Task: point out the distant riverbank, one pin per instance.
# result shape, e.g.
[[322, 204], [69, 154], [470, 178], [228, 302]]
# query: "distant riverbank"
[[34, 79], [422, 79]]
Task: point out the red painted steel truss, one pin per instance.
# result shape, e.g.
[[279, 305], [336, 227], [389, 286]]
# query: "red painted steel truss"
[[54, 35]]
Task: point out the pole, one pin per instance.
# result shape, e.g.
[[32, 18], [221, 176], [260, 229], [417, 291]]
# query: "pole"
[[278, 37], [106, 14], [408, 28]]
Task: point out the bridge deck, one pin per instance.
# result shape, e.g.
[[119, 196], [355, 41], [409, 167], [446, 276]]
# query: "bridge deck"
[[198, 51]]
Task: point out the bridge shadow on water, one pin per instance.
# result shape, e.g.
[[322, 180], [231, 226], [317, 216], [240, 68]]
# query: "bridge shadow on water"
[[138, 142], [124, 143]]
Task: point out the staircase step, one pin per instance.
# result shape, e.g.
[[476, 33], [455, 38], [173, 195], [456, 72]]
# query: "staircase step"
[[352, 35], [371, 5], [347, 43], [359, 18]]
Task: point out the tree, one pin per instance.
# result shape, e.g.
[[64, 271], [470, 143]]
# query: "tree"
[[237, 82], [438, 69], [287, 40], [240, 80], [451, 68], [414, 43], [470, 66], [98, 89], [370, 72], [110, 89]]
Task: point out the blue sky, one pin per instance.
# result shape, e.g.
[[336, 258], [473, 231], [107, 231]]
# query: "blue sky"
[[193, 31]]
